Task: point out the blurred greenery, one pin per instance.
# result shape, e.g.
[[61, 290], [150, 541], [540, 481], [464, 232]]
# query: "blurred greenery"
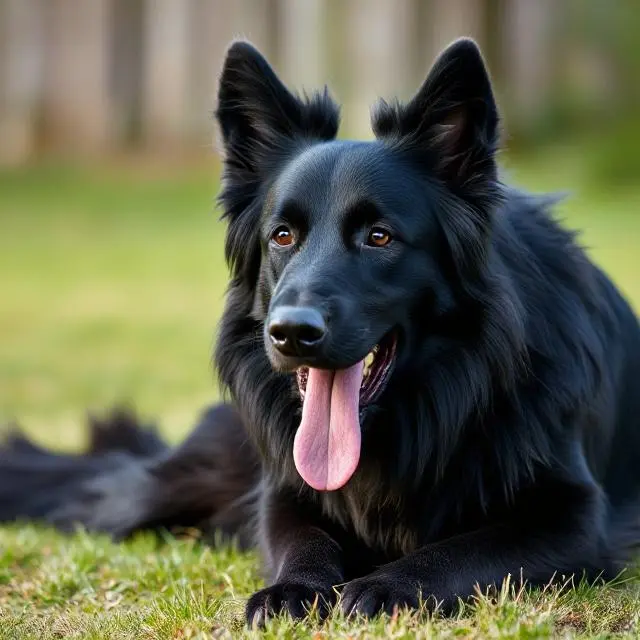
[[112, 283], [113, 278]]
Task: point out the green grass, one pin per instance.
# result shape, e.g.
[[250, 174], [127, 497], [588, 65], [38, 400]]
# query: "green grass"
[[111, 283], [111, 287], [87, 587]]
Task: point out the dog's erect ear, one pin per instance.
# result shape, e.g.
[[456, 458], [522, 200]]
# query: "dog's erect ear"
[[258, 114], [452, 120], [260, 121]]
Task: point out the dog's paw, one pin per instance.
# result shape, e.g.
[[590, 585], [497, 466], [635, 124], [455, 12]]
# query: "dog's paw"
[[376, 594], [294, 598]]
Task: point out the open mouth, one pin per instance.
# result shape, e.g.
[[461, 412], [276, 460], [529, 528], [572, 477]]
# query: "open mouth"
[[326, 447], [375, 374]]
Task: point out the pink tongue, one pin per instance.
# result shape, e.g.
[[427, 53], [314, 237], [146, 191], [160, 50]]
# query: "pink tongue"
[[326, 449]]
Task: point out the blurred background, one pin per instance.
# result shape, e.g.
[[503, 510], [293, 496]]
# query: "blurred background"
[[111, 268]]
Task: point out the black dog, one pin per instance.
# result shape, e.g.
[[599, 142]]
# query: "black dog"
[[433, 387]]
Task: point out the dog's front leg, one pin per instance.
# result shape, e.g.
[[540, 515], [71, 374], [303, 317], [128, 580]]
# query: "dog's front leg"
[[556, 533], [305, 562]]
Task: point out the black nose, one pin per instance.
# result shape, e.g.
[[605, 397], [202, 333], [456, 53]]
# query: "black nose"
[[296, 331]]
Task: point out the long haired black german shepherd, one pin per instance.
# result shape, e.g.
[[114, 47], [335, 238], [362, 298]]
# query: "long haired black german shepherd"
[[432, 386]]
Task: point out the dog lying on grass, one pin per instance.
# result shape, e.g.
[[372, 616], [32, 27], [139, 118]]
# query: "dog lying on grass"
[[432, 386]]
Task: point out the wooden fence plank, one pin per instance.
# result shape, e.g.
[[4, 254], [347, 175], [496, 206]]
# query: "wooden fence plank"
[[377, 54], [77, 105], [20, 78], [301, 43], [166, 57]]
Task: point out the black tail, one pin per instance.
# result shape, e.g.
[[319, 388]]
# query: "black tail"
[[129, 479], [121, 431]]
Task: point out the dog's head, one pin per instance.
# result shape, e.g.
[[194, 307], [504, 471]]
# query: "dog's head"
[[353, 251]]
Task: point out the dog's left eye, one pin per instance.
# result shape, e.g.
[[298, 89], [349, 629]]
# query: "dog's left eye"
[[378, 237]]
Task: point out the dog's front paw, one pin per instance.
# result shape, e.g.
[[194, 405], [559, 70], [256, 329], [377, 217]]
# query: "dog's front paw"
[[376, 594], [294, 598]]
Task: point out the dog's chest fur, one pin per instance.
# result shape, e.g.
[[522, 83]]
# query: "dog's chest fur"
[[381, 520]]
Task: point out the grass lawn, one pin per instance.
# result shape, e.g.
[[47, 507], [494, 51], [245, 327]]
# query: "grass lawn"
[[111, 282]]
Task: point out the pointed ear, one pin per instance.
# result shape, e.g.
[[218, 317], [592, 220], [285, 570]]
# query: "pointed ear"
[[452, 121], [260, 121], [257, 114]]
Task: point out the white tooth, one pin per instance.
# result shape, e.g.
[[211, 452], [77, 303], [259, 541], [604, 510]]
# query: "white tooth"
[[368, 361]]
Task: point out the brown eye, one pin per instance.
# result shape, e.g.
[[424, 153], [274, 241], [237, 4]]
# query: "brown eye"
[[282, 237], [378, 237]]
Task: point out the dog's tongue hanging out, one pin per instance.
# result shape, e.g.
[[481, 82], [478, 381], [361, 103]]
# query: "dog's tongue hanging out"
[[326, 449]]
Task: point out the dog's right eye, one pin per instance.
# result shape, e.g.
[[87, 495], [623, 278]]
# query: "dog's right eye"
[[282, 237]]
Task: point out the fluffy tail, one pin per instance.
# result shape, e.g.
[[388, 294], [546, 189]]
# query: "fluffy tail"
[[129, 479]]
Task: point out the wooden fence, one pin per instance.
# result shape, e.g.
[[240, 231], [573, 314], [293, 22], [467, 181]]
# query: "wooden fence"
[[98, 75]]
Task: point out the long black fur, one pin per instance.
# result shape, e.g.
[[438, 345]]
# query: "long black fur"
[[506, 440]]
